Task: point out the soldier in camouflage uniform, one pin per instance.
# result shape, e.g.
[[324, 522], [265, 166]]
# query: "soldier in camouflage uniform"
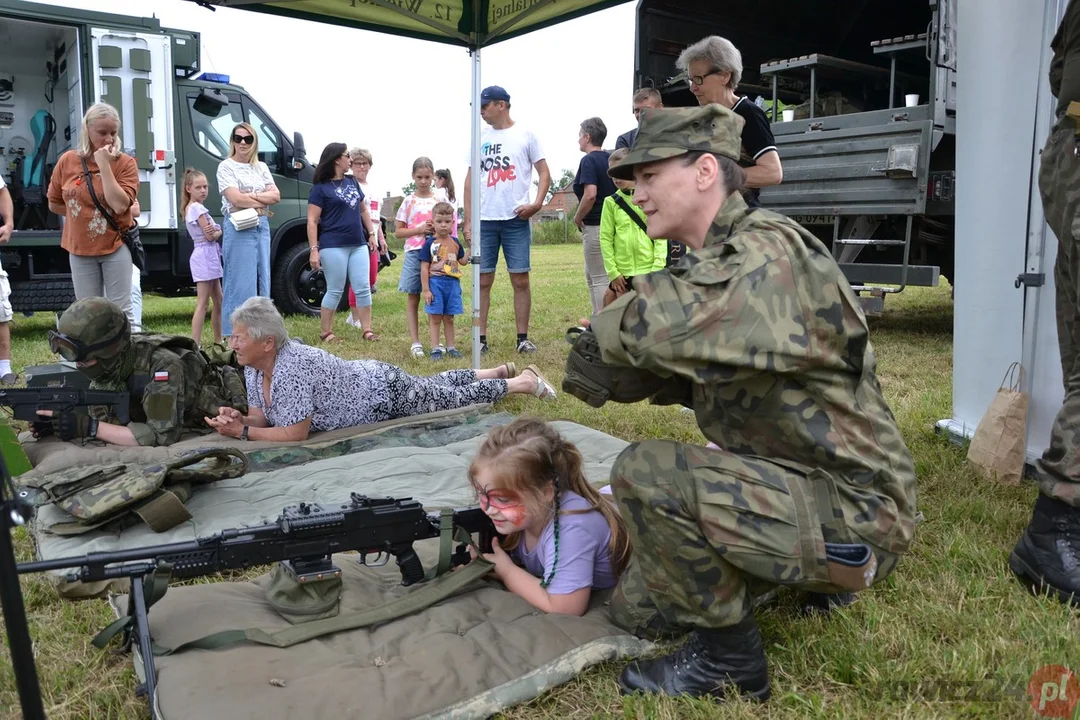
[[1047, 557], [172, 394], [761, 335]]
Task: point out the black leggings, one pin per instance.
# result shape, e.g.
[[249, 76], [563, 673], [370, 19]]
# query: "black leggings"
[[410, 395]]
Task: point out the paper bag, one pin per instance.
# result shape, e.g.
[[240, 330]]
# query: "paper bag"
[[999, 446]]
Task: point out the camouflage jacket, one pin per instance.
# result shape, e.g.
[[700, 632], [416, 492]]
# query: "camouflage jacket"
[[172, 390], [770, 342], [1064, 72]]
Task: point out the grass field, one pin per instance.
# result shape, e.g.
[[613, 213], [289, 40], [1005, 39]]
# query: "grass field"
[[951, 618]]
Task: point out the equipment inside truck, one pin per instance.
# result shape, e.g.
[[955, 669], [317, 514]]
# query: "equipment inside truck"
[[40, 111], [840, 39], [869, 156]]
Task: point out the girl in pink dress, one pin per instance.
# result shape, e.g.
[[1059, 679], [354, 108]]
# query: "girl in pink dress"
[[205, 255]]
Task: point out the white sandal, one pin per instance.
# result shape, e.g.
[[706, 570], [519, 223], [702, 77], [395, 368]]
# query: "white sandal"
[[544, 389]]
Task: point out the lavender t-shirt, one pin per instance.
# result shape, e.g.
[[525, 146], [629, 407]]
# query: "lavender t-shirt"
[[584, 553]]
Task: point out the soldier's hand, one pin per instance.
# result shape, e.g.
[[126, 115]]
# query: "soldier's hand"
[[41, 429], [70, 426]]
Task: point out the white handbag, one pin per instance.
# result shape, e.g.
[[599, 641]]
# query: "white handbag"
[[244, 219]]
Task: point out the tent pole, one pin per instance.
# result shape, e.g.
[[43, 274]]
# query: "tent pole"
[[474, 202]]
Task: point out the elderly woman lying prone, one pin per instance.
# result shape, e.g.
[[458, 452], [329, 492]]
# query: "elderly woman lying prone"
[[294, 389]]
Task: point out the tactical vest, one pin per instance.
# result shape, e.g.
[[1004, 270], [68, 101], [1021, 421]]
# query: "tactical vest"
[[213, 375], [122, 493]]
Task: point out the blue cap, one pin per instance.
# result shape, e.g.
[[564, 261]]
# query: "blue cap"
[[493, 93]]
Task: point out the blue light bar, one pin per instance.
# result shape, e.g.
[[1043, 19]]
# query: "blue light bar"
[[215, 77]]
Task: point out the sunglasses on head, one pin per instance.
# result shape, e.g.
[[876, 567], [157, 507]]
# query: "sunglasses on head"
[[245, 139]]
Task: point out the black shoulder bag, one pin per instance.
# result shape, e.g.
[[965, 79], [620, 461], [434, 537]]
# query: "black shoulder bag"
[[130, 236]]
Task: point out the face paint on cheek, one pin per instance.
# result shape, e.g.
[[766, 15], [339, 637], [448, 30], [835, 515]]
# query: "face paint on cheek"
[[513, 515]]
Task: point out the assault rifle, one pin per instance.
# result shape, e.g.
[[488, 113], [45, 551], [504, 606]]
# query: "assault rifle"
[[25, 403], [303, 539]]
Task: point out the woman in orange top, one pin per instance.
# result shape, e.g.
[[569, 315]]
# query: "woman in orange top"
[[100, 262]]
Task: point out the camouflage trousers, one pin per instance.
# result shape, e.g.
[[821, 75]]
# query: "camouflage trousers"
[[711, 530], [1059, 184]]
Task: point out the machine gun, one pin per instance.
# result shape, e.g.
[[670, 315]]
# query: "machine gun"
[[25, 403], [303, 539]]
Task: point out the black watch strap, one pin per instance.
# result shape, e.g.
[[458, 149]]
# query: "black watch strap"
[[92, 428], [244, 432]]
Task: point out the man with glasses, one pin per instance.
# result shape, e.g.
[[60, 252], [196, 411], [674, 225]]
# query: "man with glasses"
[[172, 384], [714, 67], [508, 155], [644, 99]]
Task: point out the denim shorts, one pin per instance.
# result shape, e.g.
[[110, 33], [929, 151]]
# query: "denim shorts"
[[410, 274], [445, 296], [513, 236]]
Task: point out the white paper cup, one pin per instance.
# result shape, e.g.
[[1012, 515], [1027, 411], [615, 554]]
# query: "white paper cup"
[[911, 100], [789, 115]]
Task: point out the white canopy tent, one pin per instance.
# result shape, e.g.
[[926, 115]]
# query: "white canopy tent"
[[472, 24], [1004, 114]]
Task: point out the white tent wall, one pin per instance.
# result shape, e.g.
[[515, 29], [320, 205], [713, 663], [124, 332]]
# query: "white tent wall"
[[1004, 111]]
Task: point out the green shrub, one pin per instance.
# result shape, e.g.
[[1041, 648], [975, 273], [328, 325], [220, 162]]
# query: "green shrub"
[[556, 232]]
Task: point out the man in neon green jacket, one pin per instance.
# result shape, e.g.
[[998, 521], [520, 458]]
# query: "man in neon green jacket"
[[627, 249]]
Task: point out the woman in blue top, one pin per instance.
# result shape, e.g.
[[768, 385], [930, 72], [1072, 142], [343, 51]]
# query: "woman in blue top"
[[341, 237]]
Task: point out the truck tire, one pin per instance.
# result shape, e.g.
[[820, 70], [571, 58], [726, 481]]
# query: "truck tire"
[[295, 287], [28, 297]]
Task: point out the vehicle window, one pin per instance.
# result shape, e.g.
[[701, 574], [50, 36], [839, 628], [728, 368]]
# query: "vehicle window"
[[212, 133], [269, 139]]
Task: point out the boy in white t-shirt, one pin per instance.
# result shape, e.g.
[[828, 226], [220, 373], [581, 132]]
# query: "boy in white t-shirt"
[[508, 154], [7, 210]]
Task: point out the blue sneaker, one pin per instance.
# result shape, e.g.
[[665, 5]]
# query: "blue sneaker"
[[453, 353], [437, 353]]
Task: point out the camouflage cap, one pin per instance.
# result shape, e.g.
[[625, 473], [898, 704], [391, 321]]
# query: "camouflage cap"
[[96, 320], [669, 132]]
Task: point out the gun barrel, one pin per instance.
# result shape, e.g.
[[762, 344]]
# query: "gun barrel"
[[191, 557]]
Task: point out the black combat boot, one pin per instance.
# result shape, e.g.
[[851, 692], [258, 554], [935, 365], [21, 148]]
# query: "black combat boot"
[[1047, 557], [709, 663], [823, 603]]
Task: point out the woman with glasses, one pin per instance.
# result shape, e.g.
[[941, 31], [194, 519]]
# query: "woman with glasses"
[[714, 67], [295, 389], [360, 161], [245, 182], [340, 238]]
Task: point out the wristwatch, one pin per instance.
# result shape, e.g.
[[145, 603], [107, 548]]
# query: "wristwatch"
[[91, 428], [244, 432]]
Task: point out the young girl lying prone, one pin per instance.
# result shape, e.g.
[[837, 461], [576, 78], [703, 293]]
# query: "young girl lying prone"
[[562, 539]]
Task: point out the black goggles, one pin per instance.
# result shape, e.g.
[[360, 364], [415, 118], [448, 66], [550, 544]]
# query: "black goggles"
[[74, 350]]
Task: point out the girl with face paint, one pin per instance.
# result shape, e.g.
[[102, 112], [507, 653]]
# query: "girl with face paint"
[[561, 538]]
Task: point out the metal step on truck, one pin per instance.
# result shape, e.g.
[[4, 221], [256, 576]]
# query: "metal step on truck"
[[869, 158], [54, 63]]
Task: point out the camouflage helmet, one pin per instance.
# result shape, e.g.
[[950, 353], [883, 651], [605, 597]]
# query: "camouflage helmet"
[[92, 328], [669, 132]]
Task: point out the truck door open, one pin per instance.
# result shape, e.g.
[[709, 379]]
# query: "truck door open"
[[133, 73]]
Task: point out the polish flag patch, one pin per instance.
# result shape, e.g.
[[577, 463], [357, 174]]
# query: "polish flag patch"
[[161, 376]]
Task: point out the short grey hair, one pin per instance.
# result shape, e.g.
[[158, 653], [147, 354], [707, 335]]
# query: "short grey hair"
[[719, 52], [356, 154], [595, 128], [648, 93], [261, 320]]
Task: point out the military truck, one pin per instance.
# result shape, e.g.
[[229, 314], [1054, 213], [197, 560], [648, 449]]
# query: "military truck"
[[54, 63], [873, 177]]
